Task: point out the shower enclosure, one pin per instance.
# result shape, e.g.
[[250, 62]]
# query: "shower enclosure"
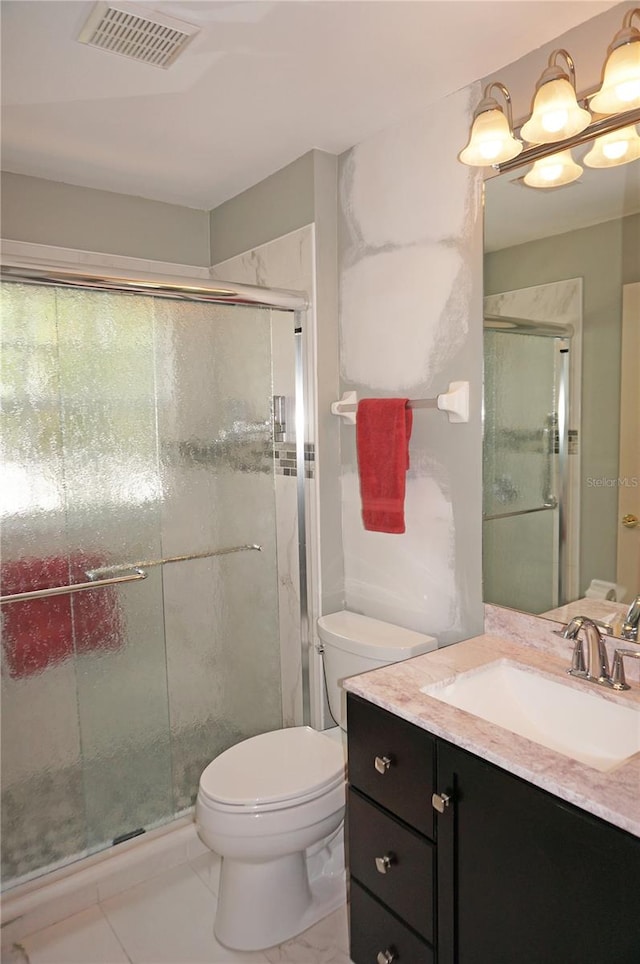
[[525, 452], [136, 429]]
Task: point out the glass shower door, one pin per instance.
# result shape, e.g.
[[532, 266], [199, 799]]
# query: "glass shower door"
[[521, 480], [215, 388], [134, 429]]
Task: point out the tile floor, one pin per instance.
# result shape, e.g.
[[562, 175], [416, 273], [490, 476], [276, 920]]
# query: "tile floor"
[[168, 919]]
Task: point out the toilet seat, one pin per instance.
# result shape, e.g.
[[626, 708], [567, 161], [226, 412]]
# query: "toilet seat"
[[273, 771]]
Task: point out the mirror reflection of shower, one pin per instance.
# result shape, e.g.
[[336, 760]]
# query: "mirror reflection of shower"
[[527, 511]]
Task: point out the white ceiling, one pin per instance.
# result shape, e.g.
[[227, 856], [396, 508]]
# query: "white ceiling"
[[263, 83]]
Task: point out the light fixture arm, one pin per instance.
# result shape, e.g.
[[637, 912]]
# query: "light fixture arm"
[[553, 62], [606, 125], [627, 33], [505, 93]]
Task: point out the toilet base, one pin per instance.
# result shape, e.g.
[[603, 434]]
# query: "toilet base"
[[261, 905]]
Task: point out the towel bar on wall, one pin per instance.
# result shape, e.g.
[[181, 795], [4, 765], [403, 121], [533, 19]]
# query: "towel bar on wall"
[[455, 403]]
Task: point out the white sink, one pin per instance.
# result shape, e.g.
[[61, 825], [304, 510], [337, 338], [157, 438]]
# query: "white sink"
[[581, 725]]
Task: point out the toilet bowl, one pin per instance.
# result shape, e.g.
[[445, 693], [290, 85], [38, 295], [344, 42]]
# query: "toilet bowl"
[[273, 806]]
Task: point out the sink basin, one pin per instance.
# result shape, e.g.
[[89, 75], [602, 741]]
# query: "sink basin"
[[581, 725]]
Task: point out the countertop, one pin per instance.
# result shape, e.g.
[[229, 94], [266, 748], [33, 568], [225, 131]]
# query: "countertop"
[[613, 796]]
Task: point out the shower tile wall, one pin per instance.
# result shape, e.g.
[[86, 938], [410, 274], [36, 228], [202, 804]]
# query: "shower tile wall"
[[287, 262]]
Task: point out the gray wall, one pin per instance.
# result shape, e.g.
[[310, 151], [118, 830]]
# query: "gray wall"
[[49, 212], [303, 193], [411, 323], [267, 210], [605, 256]]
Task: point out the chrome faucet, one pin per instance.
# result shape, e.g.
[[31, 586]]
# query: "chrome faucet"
[[596, 668], [631, 621]]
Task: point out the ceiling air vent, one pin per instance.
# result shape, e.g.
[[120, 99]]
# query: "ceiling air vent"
[[136, 32]]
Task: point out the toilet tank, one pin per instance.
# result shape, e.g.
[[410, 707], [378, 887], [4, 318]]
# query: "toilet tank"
[[354, 644]]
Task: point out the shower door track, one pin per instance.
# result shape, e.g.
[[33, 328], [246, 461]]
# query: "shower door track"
[[217, 292]]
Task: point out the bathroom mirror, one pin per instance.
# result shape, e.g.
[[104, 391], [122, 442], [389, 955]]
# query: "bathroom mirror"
[[562, 354]]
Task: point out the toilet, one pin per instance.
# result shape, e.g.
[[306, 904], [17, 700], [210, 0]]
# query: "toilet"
[[273, 806]]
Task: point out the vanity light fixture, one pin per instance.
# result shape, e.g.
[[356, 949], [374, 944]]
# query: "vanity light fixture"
[[611, 150], [560, 119], [621, 79], [556, 170], [491, 140], [556, 113]]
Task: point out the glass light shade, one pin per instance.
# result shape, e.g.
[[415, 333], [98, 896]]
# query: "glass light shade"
[[556, 114], [621, 84], [553, 171], [611, 150], [491, 140]]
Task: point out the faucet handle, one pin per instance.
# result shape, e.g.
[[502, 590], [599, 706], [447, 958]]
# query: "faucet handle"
[[618, 679], [632, 620]]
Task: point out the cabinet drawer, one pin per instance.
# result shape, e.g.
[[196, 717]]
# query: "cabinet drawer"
[[374, 931], [406, 783], [404, 882]]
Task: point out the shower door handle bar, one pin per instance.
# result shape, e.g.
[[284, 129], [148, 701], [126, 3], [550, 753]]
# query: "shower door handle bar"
[[549, 436], [510, 515], [150, 563], [74, 587]]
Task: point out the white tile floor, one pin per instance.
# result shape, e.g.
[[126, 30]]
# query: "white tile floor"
[[169, 920]]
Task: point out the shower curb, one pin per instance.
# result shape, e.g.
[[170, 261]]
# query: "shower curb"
[[47, 900]]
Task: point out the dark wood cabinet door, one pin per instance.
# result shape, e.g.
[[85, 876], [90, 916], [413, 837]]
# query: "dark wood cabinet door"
[[405, 786], [525, 878]]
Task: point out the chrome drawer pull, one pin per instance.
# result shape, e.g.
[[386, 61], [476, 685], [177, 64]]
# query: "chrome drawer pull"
[[384, 863], [386, 957], [382, 764], [440, 801]]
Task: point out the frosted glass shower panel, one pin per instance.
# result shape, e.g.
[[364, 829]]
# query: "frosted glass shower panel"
[[134, 429], [520, 470], [520, 406], [214, 416], [43, 812], [107, 377]]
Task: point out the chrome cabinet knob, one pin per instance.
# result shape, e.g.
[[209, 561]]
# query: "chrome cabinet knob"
[[384, 863], [440, 801], [382, 763], [386, 957]]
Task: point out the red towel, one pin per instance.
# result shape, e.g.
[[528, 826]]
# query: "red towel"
[[383, 430], [38, 633]]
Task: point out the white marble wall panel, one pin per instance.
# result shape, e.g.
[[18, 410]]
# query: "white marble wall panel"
[[410, 323], [286, 262]]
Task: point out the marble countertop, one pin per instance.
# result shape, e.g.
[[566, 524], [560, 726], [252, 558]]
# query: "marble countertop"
[[613, 796]]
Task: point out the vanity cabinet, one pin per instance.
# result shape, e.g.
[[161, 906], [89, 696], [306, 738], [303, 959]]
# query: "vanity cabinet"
[[505, 874]]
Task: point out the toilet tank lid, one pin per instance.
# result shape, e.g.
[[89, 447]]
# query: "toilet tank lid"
[[373, 638]]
